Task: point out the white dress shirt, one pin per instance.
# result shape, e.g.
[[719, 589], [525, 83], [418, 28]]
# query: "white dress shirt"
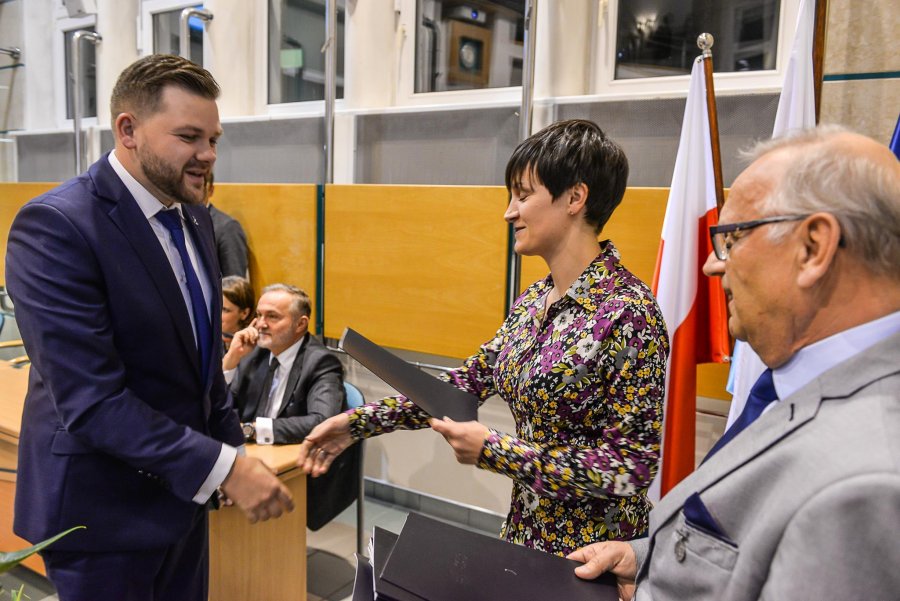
[[150, 206]]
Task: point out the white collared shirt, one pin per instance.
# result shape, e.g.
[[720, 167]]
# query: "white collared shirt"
[[150, 206], [279, 380], [811, 361]]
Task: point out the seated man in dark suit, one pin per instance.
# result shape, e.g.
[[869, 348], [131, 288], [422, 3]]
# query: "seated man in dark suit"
[[231, 241], [283, 380]]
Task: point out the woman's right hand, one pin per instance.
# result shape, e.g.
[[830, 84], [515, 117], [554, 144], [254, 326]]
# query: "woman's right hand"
[[321, 446]]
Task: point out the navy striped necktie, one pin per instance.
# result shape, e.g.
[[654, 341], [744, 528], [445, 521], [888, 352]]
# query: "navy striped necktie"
[[202, 326]]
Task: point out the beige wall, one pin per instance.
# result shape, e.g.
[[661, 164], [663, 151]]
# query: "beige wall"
[[861, 38]]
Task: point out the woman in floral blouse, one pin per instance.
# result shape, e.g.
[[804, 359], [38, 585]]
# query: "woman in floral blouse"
[[580, 360]]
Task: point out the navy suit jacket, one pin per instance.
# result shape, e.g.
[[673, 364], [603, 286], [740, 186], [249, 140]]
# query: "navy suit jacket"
[[120, 427]]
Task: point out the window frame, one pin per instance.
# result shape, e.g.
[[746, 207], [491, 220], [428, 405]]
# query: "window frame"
[[603, 83], [149, 8], [303, 108], [406, 95]]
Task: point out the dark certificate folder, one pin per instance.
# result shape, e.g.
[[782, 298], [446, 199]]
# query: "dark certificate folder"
[[439, 562], [382, 544], [435, 397]]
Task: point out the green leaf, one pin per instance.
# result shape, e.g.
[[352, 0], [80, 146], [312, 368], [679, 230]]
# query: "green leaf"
[[14, 558]]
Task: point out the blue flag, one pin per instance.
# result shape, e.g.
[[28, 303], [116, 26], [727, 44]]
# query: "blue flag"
[[895, 139]]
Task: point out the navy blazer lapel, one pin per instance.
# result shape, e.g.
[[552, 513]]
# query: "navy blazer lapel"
[[200, 226], [127, 216], [202, 232]]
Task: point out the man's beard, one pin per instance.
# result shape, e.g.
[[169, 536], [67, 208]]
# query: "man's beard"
[[169, 180]]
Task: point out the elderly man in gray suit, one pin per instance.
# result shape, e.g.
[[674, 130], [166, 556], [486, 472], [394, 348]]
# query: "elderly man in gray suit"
[[801, 497]]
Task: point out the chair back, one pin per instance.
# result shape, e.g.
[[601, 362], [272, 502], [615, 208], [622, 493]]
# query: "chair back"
[[355, 398], [334, 491]]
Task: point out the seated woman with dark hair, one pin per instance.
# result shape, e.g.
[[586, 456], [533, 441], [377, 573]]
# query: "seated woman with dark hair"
[[238, 305], [580, 359]]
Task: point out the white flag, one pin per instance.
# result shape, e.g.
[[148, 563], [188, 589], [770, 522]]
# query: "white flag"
[[796, 110]]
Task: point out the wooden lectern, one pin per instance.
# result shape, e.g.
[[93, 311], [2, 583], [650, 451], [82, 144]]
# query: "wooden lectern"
[[266, 560]]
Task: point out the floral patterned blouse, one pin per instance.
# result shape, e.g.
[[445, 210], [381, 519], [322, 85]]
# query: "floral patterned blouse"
[[585, 384]]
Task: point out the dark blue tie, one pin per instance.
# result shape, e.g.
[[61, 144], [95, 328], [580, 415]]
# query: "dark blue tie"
[[172, 221], [762, 393]]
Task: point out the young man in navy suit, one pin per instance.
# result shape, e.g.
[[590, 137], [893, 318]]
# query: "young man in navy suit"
[[127, 427]]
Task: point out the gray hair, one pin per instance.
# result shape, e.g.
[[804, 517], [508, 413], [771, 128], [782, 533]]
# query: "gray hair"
[[300, 304], [860, 193]]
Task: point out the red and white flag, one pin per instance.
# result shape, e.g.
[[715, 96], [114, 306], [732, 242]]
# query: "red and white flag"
[[796, 111], [693, 305]]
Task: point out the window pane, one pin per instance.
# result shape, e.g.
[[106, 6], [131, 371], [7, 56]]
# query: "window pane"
[[655, 38], [167, 34], [467, 47], [296, 60], [88, 76]]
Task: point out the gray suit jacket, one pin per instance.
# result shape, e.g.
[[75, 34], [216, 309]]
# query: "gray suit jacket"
[[806, 500], [314, 392]]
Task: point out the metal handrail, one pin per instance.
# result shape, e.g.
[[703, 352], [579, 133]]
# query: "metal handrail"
[[514, 281], [330, 50], [13, 52], [94, 38], [184, 40]]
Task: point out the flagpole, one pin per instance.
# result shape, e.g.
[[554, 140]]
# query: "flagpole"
[[705, 42], [819, 52]]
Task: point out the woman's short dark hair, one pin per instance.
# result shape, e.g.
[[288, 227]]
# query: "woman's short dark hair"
[[240, 293], [140, 86], [572, 152]]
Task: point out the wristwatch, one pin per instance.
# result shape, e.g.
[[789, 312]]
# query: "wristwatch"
[[249, 429]]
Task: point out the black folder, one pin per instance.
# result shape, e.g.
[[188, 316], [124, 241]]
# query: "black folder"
[[440, 562], [435, 397], [382, 544], [362, 585]]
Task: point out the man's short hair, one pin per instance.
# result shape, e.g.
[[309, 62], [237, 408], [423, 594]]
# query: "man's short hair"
[[300, 304], [571, 152], [823, 176], [140, 86]]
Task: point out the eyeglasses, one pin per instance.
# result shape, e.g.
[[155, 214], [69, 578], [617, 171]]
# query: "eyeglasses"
[[724, 236]]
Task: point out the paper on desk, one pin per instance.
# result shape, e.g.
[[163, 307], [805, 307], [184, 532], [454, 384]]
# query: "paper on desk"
[[435, 397]]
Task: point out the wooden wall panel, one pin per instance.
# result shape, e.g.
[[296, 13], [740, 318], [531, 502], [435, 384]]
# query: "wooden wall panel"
[[280, 222], [415, 267], [12, 197], [634, 228]]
